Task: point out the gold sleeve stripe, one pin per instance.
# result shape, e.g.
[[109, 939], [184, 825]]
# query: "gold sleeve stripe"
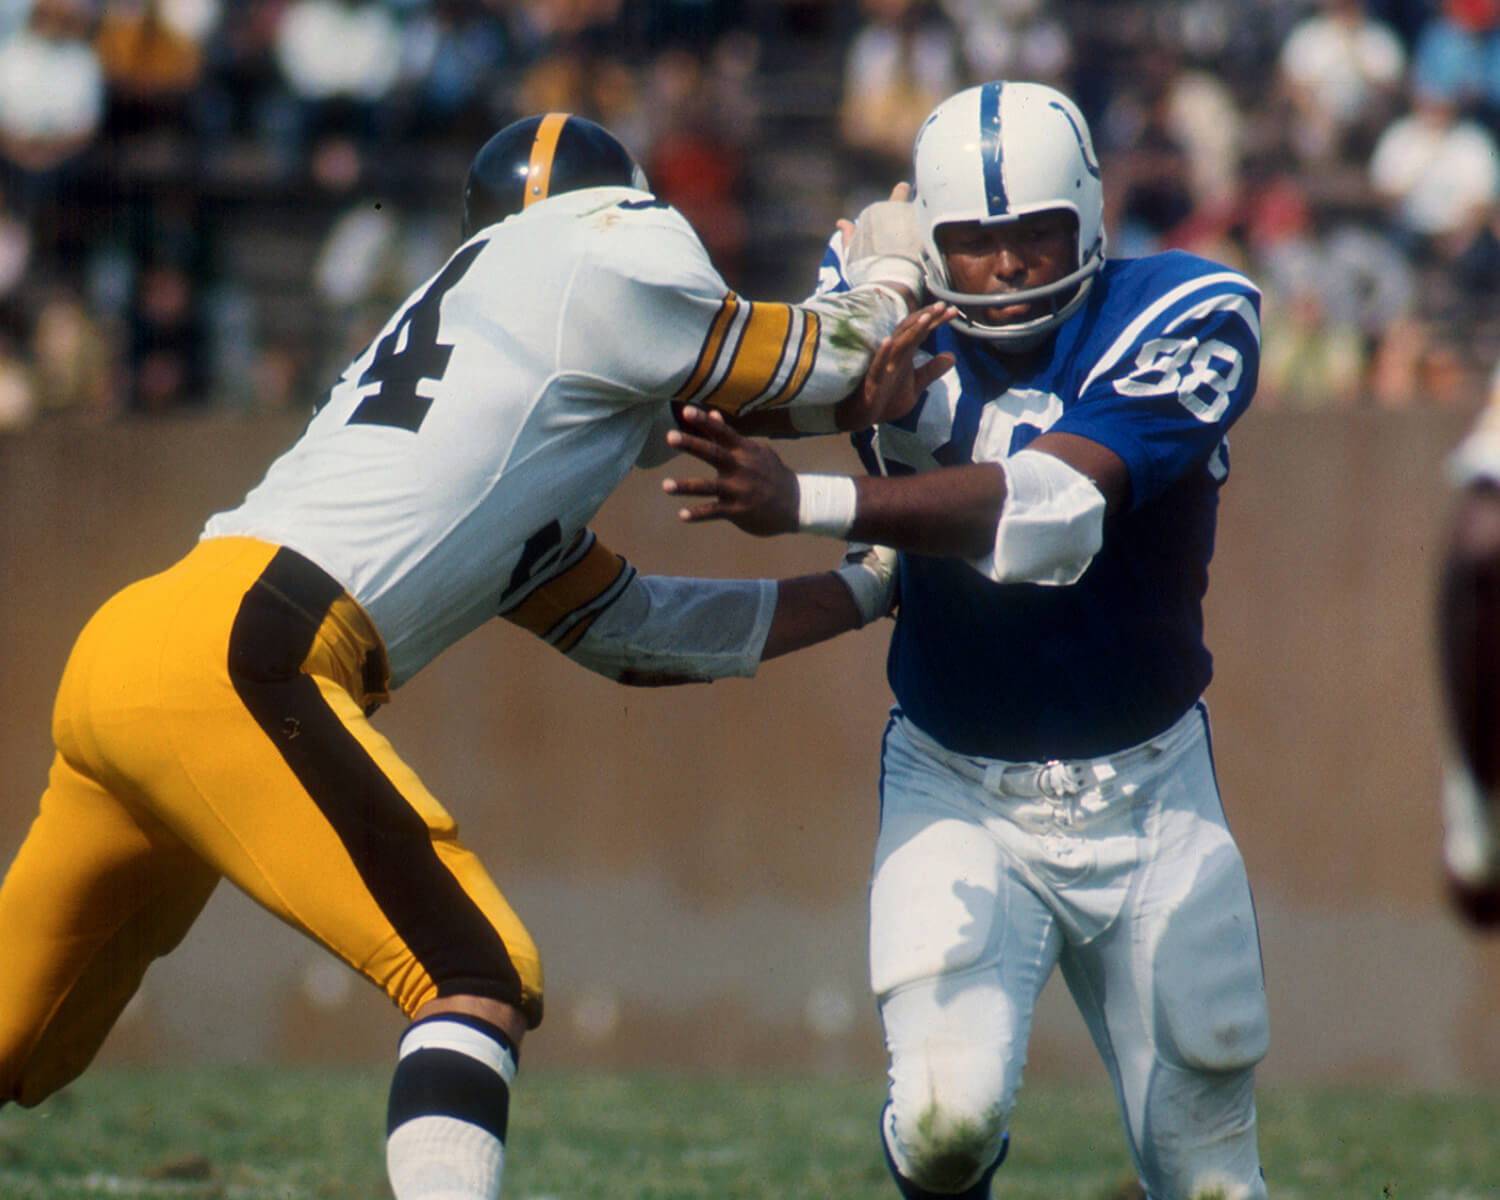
[[543, 152], [560, 609], [761, 350], [712, 345], [765, 358], [567, 632], [807, 354], [569, 637]]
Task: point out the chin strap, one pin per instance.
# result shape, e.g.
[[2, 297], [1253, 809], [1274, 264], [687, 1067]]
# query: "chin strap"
[[1024, 334]]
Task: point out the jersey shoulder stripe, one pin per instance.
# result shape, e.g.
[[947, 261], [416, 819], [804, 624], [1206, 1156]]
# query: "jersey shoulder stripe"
[[587, 579], [1175, 304]]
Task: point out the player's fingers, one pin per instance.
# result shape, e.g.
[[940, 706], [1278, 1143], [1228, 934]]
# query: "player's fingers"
[[707, 451], [898, 343], [690, 487], [889, 355], [906, 337], [938, 364], [699, 429], [902, 191], [930, 316], [700, 512], [708, 424], [935, 314], [913, 329]]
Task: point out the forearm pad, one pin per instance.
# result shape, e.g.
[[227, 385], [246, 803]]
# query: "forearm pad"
[[667, 630], [1051, 525]]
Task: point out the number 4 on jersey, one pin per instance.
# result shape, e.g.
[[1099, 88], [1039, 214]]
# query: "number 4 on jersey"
[[402, 362]]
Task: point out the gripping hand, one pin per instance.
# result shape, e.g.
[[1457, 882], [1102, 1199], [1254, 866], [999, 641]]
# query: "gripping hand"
[[885, 244], [869, 572]]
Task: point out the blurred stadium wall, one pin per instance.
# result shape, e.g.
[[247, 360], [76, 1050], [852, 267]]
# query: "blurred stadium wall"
[[693, 861]]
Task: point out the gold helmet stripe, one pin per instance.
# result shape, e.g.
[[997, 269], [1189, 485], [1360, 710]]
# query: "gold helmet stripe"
[[543, 152]]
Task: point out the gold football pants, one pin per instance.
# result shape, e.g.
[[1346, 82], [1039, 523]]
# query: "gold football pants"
[[211, 722]]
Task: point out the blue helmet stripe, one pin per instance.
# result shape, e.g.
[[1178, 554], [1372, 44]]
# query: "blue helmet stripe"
[[991, 149]]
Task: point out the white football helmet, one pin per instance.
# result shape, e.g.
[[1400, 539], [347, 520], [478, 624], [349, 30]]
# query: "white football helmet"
[[997, 152]]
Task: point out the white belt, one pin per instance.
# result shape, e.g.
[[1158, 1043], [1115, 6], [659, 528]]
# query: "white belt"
[[1056, 779]]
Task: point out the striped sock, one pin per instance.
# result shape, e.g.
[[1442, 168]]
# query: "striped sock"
[[449, 1104]]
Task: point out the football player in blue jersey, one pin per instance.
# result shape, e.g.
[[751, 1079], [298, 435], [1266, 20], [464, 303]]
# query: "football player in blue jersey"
[[1048, 797]]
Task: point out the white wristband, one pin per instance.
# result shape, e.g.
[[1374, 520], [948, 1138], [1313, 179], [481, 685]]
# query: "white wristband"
[[825, 504]]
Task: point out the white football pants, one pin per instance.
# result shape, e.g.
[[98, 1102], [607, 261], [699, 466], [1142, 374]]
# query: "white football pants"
[[1122, 871]]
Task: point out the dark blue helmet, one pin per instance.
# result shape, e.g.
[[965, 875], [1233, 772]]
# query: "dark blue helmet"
[[537, 157]]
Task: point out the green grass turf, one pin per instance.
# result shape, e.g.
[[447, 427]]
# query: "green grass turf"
[[264, 1134]]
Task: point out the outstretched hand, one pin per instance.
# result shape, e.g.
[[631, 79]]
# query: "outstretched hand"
[[752, 487], [893, 383]]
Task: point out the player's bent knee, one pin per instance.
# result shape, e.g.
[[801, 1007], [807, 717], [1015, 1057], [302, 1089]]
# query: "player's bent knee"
[[35, 1065], [1221, 1045], [1211, 1001], [32, 1084], [944, 1149], [1218, 1047], [31, 1089]]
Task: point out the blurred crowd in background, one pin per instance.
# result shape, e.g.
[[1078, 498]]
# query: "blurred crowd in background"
[[212, 204]]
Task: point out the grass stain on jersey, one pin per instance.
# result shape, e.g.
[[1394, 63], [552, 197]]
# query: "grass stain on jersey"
[[847, 335]]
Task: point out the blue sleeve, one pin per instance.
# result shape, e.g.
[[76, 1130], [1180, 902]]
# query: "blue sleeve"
[[1165, 392]]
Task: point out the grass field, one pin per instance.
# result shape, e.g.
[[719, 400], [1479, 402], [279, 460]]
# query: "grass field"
[[254, 1134]]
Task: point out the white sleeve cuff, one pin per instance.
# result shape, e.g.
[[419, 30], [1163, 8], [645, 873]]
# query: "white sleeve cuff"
[[1051, 525]]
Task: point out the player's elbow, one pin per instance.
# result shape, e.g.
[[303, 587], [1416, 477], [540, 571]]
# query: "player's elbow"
[[636, 670], [1051, 526]]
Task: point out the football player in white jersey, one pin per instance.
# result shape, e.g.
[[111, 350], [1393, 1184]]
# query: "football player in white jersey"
[[213, 720], [1048, 798], [1468, 618]]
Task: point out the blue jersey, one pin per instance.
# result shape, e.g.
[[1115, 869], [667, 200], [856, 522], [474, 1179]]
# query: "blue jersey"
[[1156, 366]]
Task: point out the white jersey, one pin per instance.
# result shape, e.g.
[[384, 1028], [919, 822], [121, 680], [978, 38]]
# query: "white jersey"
[[453, 469]]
